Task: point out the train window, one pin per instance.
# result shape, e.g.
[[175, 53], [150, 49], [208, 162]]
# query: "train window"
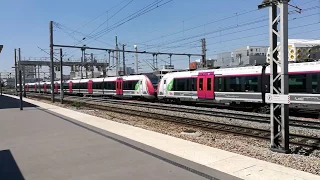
[[193, 84], [164, 81], [96, 85], [129, 85], [235, 84], [218, 84], [251, 83], [315, 83], [201, 84], [209, 84], [75, 86], [297, 83], [110, 85], [180, 84], [185, 84]]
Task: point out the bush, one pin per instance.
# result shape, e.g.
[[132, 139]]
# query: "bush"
[[76, 104]]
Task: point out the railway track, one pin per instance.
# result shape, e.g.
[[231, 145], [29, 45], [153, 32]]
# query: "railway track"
[[101, 103], [231, 115]]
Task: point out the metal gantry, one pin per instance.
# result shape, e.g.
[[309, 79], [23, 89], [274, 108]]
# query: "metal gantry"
[[279, 110]]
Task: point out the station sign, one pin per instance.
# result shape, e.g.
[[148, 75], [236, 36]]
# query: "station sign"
[[277, 98]]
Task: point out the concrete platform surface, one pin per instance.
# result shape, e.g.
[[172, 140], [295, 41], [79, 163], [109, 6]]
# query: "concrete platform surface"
[[40, 144]]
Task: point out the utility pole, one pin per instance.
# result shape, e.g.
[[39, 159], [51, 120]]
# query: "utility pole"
[[92, 75], [20, 81], [156, 61], [124, 60], [51, 62], [117, 60], [82, 60], [279, 109], [204, 51], [86, 65], [137, 61], [39, 78], [170, 55], [112, 58], [108, 63], [189, 62], [61, 77], [15, 70], [24, 81], [1, 85]]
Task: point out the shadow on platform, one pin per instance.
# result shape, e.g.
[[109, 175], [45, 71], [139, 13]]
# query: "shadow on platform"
[[9, 102], [8, 167]]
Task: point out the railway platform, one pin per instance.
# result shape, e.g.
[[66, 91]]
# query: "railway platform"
[[50, 141], [43, 142]]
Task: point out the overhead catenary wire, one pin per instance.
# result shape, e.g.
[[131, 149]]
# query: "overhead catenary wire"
[[248, 23], [127, 19]]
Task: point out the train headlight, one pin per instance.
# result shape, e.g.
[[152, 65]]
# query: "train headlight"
[[299, 50], [292, 57], [298, 56], [291, 51]]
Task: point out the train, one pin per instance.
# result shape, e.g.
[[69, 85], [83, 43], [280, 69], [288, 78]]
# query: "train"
[[239, 86]]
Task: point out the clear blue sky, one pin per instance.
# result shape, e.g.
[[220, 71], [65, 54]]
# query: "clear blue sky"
[[25, 25]]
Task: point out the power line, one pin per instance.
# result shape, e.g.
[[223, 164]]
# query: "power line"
[[230, 27], [127, 19]]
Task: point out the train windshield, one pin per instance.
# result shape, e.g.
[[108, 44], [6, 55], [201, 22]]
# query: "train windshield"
[[154, 79]]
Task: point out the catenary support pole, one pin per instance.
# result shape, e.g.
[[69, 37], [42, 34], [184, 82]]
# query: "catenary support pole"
[[20, 81], [156, 62], [39, 79], [124, 60], [91, 67], [61, 77], [117, 57], [51, 61], [137, 60], [24, 81], [279, 110], [0, 85], [15, 71], [189, 62], [108, 67]]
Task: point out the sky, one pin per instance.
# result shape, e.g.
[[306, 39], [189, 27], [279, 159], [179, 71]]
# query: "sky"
[[175, 26]]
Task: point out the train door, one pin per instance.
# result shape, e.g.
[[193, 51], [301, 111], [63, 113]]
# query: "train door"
[[90, 91], [140, 86], [119, 88], [164, 87], [70, 86], [56, 87], [205, 85], [45, 87]]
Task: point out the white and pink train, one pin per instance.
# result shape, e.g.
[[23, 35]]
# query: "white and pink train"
[[243, 86]]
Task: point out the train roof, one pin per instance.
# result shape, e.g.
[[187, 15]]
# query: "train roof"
[[250, 70], [129, 77]]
